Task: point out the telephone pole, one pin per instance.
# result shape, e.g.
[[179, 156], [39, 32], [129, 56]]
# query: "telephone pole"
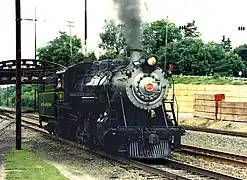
[[85, 31], [166, 42], [18, 74], [70, 26], [35, 48], [35, 31]]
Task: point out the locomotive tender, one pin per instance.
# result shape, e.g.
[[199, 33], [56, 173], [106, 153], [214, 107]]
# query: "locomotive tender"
[[117, 105]]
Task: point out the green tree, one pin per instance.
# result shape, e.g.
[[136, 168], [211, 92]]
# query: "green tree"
[[58, 50], [242, 52], [190, 30], [154, 35], [192, 57], [226, 43], [222, 62], [187, 56], [91, 56], [112, 39]]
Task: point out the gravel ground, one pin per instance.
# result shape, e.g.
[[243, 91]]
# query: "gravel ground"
[[213, 164], [184, 173], [214, 124], [237, 145], [76, 164], [232, 144], [72, 162], [6, 143]]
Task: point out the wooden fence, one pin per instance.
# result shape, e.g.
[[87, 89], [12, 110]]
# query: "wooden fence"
[[236, 111], [185, 94], [216, 106]]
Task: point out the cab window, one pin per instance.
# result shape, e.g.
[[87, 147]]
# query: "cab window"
[[60, 82]]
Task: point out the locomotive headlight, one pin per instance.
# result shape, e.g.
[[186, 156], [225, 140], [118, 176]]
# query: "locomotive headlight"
[[149, 87], [151, 61]]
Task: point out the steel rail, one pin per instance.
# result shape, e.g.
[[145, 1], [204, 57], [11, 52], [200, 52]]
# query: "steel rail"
[[230, 157], [148, 168], [6, 118], [187, 127], [136, 164], [216, 131], [195, 169]]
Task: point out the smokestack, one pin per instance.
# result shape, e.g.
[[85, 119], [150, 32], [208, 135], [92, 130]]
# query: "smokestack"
[[135, 54], [129, 12]]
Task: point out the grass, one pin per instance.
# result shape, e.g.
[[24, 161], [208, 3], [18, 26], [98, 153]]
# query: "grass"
[[205, 81], [24, 164]]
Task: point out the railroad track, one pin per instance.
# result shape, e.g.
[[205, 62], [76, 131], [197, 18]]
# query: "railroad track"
[[216, 131], [170, 170], [192, 128], [187, 127], [3, 125], [209, 153], [6, 109], [192, 172]]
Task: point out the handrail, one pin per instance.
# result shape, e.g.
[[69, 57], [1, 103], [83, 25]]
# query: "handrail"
[[174, 96], [177, 106]]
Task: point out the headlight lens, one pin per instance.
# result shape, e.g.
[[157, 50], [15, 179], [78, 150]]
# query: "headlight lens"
[[149, 87], [151, 61]]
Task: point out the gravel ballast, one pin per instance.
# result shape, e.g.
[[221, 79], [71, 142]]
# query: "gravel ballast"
[[231, 144], [75, 163], [213, 164]]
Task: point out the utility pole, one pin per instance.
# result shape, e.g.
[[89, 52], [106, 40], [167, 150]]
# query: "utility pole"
[[85, 31], [18, 74], [35, 54], [35, 33], [70, 26], [166, 42], [35, 48], [146, 6]]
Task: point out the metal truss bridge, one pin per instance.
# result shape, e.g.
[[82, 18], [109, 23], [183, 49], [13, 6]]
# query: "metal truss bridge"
[[32, 71]]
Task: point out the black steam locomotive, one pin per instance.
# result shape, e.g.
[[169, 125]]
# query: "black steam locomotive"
[[118, 105]]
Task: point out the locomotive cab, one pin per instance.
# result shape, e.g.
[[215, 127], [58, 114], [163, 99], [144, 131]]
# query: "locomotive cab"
[[53, 92]]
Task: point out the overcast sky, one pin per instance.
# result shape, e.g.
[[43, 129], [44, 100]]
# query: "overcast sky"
[[213, 18]]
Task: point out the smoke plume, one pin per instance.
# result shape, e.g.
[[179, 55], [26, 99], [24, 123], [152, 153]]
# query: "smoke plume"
[[129, 12]]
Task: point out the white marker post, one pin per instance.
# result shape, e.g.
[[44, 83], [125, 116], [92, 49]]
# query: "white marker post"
[[240, 73]]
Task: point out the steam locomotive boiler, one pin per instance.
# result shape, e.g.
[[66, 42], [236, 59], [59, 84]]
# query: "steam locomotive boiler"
[[117, 105]]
